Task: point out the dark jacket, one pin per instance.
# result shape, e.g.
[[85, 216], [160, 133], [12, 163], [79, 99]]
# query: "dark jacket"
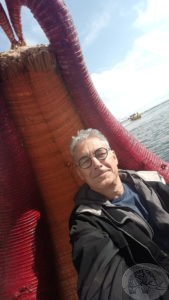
[[107, 241]]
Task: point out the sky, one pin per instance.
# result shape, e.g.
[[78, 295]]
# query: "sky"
[[125, 46]]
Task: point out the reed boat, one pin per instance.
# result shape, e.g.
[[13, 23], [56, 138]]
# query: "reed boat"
[[135, 116], [46, 96]]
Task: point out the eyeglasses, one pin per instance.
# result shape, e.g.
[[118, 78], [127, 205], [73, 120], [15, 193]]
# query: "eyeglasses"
[[85, 162]]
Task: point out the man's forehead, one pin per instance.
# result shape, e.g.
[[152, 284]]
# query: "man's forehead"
[[90, 144]]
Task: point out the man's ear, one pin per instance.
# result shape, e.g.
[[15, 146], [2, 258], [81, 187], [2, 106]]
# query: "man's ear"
[[114, 156]]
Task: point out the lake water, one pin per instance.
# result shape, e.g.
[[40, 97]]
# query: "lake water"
[[153, 129]]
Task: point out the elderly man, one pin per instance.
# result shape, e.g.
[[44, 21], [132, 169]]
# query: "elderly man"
[[119, 227]]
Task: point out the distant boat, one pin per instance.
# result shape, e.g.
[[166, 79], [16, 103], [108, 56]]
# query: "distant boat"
[[135, 116]]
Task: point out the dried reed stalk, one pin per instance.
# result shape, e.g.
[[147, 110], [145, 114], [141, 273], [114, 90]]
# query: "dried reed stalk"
[[45, 116]]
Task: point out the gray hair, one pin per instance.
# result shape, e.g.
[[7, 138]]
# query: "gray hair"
[[84, 134]]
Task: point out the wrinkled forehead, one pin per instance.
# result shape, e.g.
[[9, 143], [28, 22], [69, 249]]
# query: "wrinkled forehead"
[[88, 146]]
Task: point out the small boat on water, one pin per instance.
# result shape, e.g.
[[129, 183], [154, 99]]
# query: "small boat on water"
[[135, 116]]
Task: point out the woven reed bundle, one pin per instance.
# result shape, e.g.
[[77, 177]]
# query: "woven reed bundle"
[[56, 21], [21, 222], [45, 117]]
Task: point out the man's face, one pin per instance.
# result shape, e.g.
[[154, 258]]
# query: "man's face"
[[102, 174]]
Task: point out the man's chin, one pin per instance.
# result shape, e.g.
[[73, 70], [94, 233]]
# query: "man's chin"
[[103, 184], [104, 179]]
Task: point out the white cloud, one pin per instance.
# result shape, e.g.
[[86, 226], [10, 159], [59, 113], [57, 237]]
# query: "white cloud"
[[156, 12], [98, 23], [96, 26], [141, 79]]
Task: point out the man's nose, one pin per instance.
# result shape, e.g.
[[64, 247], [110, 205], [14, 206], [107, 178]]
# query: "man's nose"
[[96, 162]]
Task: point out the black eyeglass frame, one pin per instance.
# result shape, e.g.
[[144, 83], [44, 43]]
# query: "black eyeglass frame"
[[80, 165]]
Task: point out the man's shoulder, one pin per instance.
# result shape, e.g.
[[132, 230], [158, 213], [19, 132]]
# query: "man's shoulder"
[[149, 176]]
